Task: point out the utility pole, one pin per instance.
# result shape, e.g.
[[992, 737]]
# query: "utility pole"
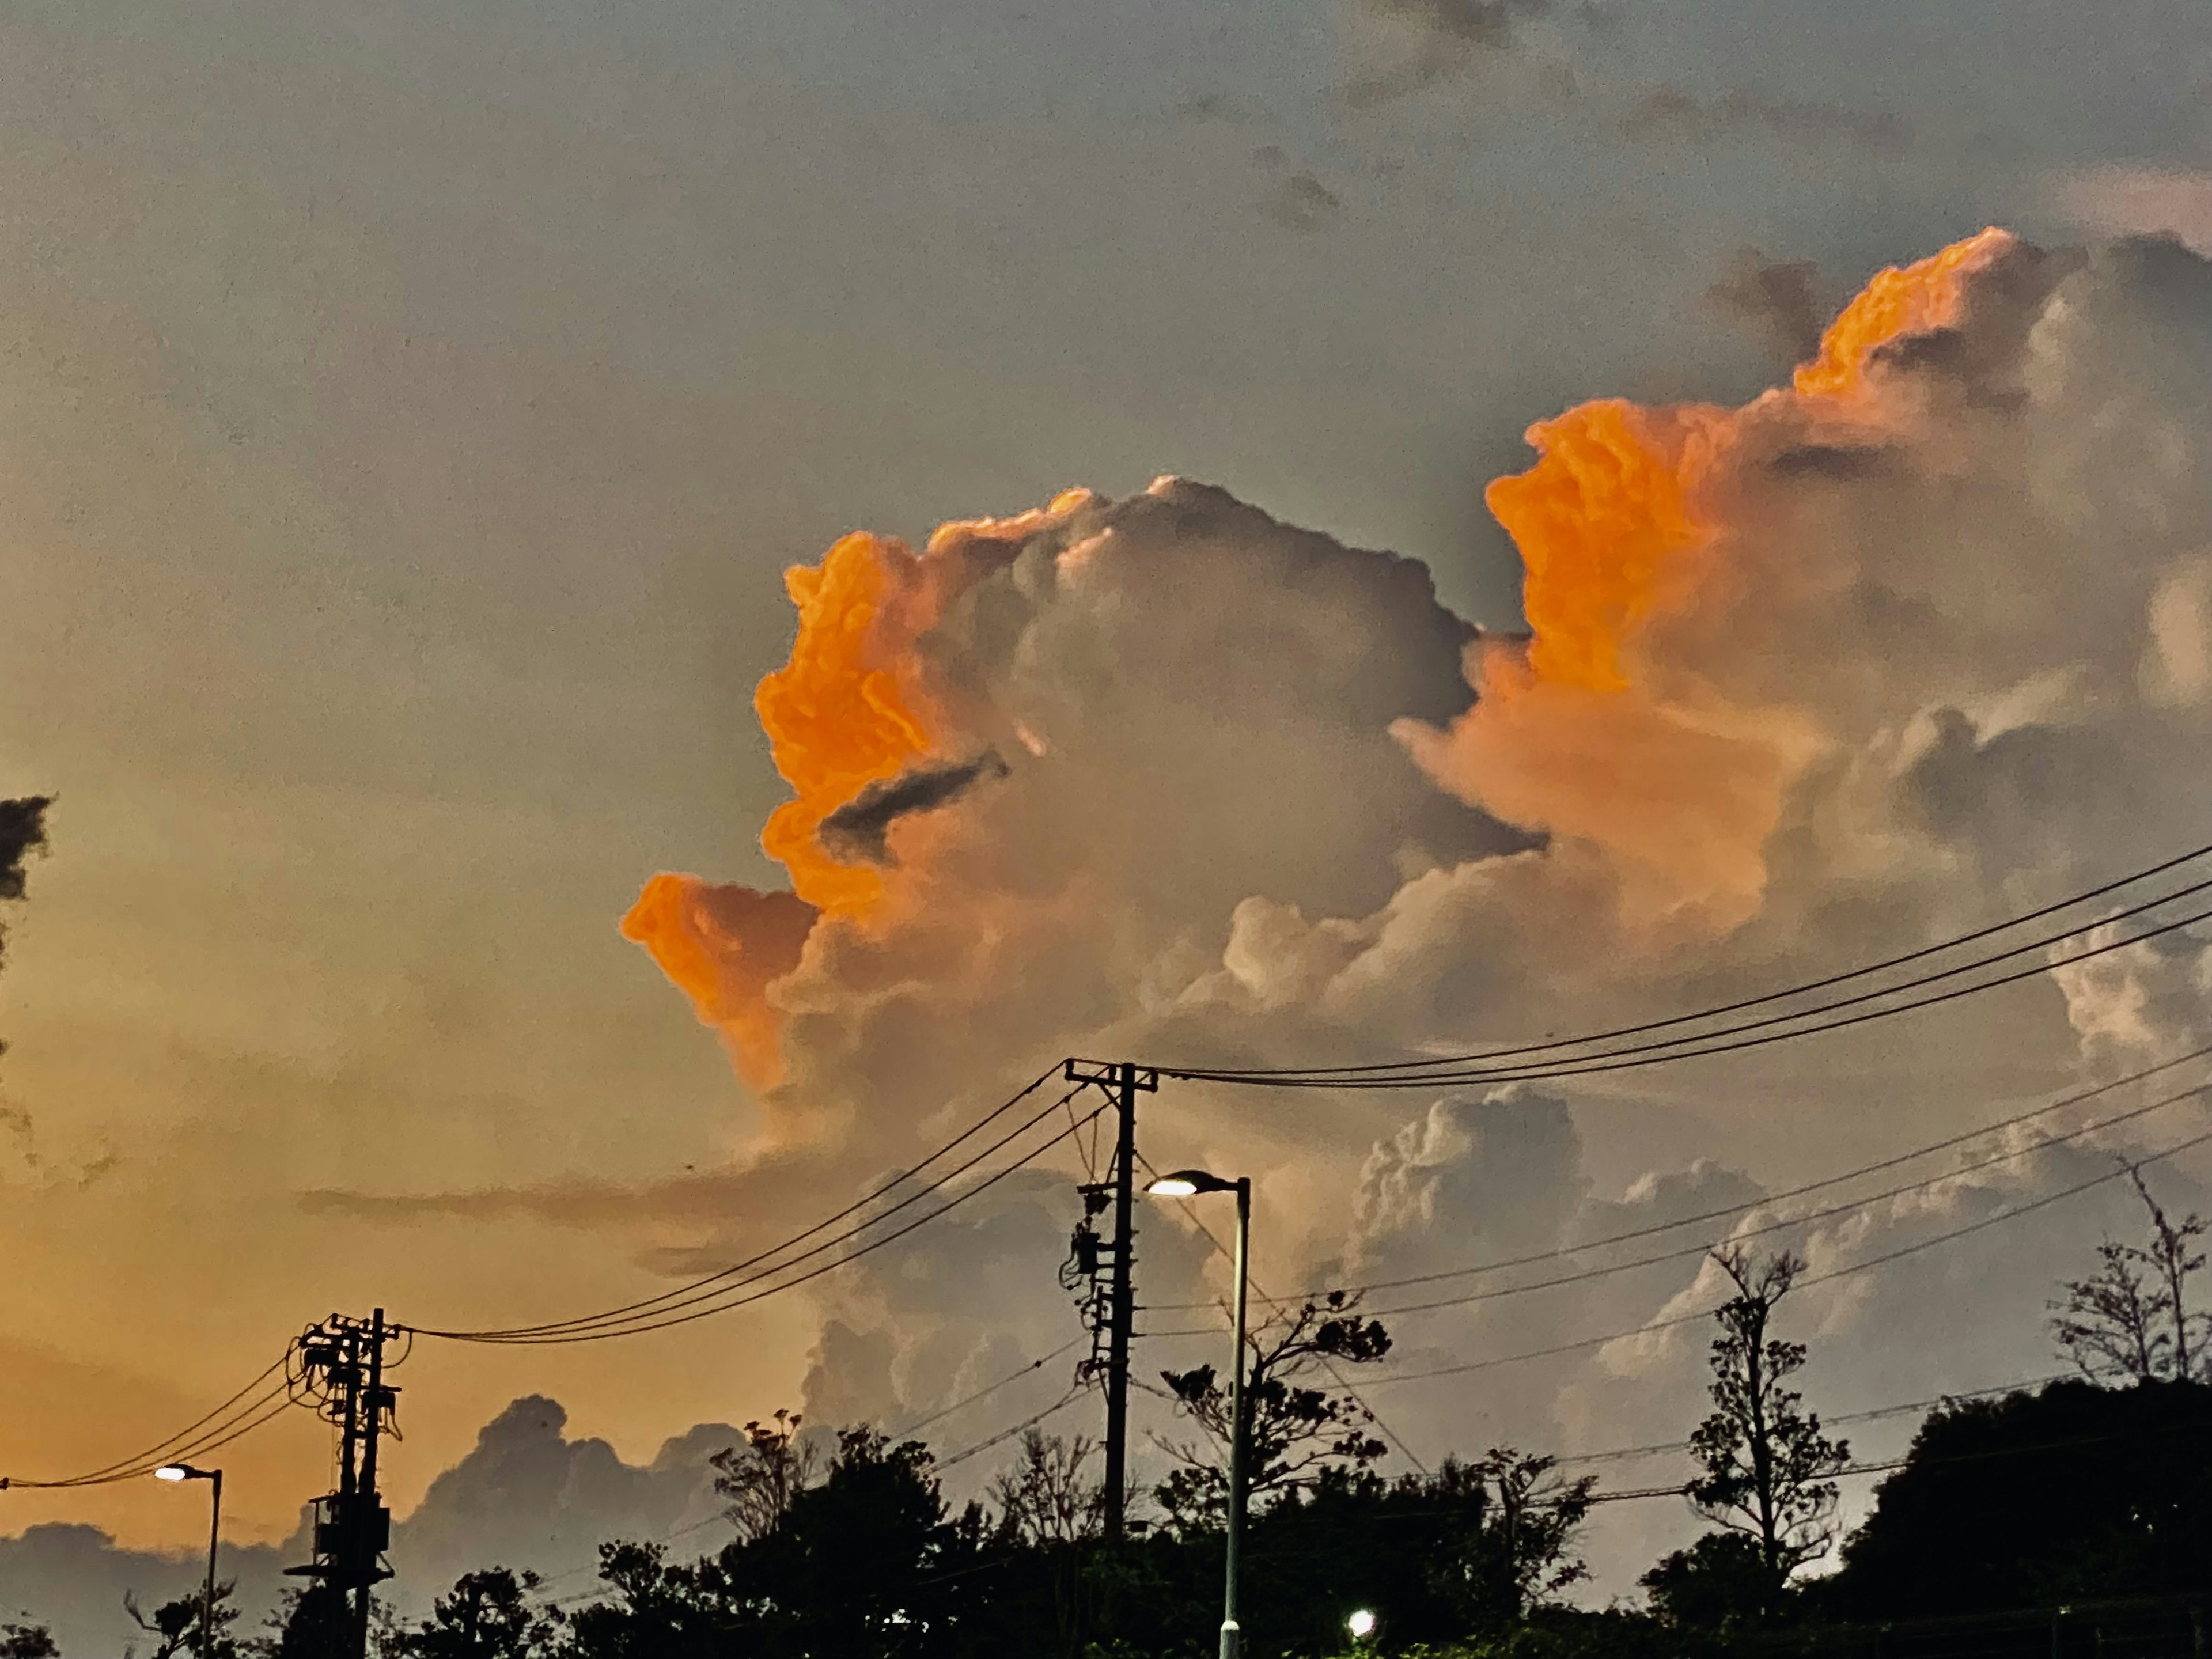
[[1124, 1082], [340, 1368]]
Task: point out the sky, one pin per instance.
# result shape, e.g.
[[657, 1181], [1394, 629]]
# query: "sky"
[[407, 414]]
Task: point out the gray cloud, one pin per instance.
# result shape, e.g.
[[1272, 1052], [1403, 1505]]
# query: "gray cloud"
[[1778, 301], [1302, 201], [858, 832], [1672, 113]]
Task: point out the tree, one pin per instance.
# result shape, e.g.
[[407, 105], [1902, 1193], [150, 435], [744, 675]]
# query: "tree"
[[1718, 1584], [27, 1642], [1516, 1552], [486, 1615], [1294, 1431], [1049, 1506], [311, 1625], [1769, 1471], [868, 1561], [175, 1625], [762, 1477], [2130, 1321], [2073, 1493]]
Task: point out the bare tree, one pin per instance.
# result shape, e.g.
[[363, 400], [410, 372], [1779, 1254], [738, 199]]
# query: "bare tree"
[[1769, 1471], [1047, 1499], [762, 1477], [1295, 1429], [2130, 1320], [1536, 1515], [1053, 1506]]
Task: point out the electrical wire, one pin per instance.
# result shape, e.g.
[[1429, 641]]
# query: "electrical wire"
[[725, 1299], [1534, 1258], [1022, 1427], [177, 1446], [1327, 1365], [862, 1202], [1640, 1055], [2010, 1214], [1029, 1369], [1483, 1057]]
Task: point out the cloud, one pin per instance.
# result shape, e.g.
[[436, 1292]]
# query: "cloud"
[[2127, 201], [1780, 301], [1907, 642], [858, 832], [1433, 40], [1669, 112], [1302, 201]]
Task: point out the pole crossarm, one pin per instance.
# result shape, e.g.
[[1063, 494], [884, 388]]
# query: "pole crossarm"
[[1108, 1074]]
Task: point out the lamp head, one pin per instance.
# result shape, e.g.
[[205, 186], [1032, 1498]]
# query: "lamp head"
[[1183, 1183], [1361, 1624], [182, 1472]]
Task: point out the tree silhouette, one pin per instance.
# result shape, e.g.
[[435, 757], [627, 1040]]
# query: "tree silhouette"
[[2130, 1321], [27, 1642], [486, 1615], [175, 1625], [1294, 1430], [1048, 1505], [762, 1477], [1768, 1469], [1519, 1554]]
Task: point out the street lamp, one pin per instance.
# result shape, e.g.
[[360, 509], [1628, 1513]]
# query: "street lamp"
[[1361, 1624], [1187, 1183], [186, 1472]]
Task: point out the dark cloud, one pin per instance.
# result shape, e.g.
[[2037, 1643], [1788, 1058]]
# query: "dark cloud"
[[1670, 112], [1778, 301], [1450, 35], [23, 831], [1839, 462], [858, 831], [1302, 201]]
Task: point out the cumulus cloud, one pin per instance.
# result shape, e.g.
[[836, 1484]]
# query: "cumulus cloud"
[[1911, 641]]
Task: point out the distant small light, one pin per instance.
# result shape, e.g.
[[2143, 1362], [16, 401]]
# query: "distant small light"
[[173, 1472], [1172, 1186], [1361, 1624]]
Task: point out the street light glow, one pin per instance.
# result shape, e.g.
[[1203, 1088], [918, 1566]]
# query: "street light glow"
[[1173, 1185], [1361, 1624], [173, 1472]]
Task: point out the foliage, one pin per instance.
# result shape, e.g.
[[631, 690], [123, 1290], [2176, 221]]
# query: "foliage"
[[1721, 1583], [2130, 1321], [486, 1615], [311, 1625], [1294, 1430], [1768, 1469], [762, 1477], [175, 1625], [2036, 1498], [27, 1642]]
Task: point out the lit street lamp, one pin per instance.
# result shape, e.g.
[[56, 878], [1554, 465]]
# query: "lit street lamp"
[[1361, 1624], [186, 1472], [1184, 1183]]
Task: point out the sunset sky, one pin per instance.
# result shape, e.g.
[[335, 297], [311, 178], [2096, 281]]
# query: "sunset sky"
[[408, 415]]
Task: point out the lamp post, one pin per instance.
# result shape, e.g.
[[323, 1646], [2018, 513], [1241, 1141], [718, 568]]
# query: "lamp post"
[[1184, 1183], [213, 1477]]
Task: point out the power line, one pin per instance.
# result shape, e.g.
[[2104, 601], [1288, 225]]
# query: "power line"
[[620, 1324], [194, 1439], [1534, 1258], [1425, 1064], [1991, 1220], [1022, 1427], [1787, 1221], [1644, 1054], [1029, 1369], [1327, 1365], [734, 1268]]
